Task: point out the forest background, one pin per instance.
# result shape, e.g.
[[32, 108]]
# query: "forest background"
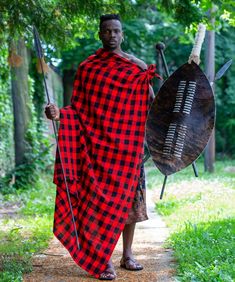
[[69, 33]]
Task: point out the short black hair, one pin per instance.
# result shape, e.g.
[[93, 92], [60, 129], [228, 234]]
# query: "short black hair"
[[107, 17]]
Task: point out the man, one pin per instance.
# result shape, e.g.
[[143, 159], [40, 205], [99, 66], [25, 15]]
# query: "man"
[[101, 141]]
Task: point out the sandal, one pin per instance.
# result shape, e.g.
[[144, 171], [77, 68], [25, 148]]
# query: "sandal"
[[130, 264], [108, 274]]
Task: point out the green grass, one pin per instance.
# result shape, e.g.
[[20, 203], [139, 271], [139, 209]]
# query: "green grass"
[[29, 231], [205, 251], [200, 213]]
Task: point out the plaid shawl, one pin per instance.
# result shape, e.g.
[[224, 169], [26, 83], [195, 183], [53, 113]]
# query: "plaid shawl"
[[101, 141]]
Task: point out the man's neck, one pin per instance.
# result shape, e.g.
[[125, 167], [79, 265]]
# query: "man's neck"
[[117, 50]]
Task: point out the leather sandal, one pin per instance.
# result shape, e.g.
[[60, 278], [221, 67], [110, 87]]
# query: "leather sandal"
[[108, 274], [130, 264]]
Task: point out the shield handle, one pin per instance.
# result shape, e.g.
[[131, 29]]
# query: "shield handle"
[[195, 54]]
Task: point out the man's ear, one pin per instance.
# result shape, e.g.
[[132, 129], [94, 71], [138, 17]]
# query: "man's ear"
[[122, 36], [99, 35]]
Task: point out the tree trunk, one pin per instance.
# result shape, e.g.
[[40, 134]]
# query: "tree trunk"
[[209, 155], [20, 98], [68, 78]]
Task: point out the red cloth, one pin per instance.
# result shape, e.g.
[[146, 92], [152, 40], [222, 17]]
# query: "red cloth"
[[101, 142]]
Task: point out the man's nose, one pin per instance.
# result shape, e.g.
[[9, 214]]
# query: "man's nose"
[[113, 34]]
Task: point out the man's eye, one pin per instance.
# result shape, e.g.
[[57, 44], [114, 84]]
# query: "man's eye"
[[106, 32]]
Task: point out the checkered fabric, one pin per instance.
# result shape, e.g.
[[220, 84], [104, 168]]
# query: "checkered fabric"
[[101, 141]]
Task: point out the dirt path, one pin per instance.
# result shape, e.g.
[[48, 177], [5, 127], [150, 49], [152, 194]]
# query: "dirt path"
[[56, 265]]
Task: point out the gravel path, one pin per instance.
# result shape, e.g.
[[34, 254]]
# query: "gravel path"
[[56, 265]]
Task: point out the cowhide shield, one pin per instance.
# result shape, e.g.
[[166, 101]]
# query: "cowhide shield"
[[181, 119]]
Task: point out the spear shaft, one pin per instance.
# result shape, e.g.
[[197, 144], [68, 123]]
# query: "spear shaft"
[[40, 56]]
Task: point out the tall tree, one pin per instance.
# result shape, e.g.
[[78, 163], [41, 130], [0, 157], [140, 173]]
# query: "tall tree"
[[20, 97], [209, 154]]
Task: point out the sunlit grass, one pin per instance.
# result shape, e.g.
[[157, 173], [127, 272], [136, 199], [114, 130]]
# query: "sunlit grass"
[[201, 215], [28, 231]]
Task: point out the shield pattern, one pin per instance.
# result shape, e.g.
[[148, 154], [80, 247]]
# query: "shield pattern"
[[181, 119]]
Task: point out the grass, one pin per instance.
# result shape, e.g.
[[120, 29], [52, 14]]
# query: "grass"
[[28, 231], [200, 213]]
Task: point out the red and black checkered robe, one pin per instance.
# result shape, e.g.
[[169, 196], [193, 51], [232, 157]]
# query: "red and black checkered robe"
[[101, 142]]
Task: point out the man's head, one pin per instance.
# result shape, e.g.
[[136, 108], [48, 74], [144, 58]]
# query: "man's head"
[[110, 32]]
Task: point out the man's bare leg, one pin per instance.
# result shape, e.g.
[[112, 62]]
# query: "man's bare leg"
[[128, 262], [127, 236]]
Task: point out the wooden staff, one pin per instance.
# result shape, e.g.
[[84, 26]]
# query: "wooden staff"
[[39, 52]]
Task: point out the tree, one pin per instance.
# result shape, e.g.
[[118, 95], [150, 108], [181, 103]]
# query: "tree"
[[209, 153], [20, 98]]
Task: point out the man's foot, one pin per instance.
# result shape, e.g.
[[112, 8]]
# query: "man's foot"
[[130, 264], [109, 273]]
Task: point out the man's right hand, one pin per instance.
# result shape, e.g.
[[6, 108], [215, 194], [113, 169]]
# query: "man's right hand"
[[52, 112]]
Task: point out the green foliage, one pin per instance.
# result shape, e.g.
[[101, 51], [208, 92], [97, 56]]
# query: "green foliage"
[[85, 46], [188, 12], [6, 118], [64, 19], [225, 98], [28, 233], [37, 157], [38, 92], [14, 268], [141, 35]]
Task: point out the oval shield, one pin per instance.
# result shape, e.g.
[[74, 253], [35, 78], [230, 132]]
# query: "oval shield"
[[181, 119]]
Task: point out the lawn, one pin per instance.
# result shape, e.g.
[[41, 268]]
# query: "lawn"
[[200, 213]]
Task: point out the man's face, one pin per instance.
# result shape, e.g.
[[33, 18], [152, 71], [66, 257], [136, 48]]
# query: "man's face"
[[111, 34]]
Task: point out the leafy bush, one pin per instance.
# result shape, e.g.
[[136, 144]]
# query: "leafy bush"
[[6, 118]]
